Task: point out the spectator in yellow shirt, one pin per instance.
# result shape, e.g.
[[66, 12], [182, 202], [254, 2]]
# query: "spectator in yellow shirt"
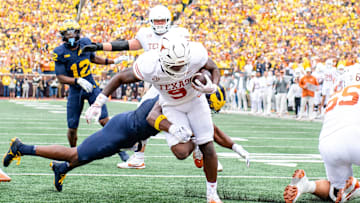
[[6, 82]]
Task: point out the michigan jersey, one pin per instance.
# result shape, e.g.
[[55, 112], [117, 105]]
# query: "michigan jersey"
[[69, 63], [151, 41], [342, 110], [172, 92]]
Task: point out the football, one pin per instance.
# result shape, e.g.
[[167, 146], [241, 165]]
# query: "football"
[[201, 76]]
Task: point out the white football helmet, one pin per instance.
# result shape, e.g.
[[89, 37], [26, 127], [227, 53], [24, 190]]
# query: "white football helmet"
[[341, 69], [160, 12], [174, 56]]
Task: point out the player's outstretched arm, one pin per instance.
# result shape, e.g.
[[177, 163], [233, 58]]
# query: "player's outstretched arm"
[[106, 61], [124, 77], [119, 45], [159, 121]]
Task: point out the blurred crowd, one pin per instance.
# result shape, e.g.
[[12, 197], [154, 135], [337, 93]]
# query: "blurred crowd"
[[239, 34]]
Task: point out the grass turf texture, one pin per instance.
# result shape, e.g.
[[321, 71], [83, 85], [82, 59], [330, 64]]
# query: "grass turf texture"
[[269, 140]]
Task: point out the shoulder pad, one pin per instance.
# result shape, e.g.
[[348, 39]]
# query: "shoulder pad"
[[145, 65], [58, 53], [198, 53], [85, 41]]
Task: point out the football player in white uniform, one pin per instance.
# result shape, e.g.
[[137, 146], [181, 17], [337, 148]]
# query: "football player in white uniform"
[[268, 91], [339, 132], [147, 38], [328, 85], [170, 71], [255, 93]]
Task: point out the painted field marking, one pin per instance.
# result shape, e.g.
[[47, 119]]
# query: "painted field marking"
[[158, 176]]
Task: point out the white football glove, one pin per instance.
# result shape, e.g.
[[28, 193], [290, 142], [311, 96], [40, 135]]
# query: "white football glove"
[[121, 59], [208, 88], [86, 85], [94, 111], [182, 133]]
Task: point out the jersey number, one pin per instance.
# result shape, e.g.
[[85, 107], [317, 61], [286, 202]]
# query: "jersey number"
[[84, 67], [178, 93], [354, 98]]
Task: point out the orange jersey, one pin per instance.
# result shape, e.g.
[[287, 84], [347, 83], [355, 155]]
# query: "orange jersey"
[[308, 84]]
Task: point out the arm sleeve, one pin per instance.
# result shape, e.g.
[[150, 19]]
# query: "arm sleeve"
[[59, 68]]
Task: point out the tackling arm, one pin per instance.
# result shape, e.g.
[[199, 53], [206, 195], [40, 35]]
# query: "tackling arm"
[[155, 112], [124, 77]]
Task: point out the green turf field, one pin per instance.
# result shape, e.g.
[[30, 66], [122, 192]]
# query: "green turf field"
[[277, 148]]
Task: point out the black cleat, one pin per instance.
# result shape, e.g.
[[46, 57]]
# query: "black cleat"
[[57, 167], [13, 153]]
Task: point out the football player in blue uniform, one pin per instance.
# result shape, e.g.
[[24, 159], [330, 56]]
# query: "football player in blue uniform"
[[125, 130], [73, 67]]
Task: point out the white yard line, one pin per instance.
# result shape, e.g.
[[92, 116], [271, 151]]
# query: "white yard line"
[[157, 176]]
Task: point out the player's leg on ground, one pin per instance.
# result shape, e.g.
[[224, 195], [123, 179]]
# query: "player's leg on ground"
[[298, 186], [350, 191], [339, 153]]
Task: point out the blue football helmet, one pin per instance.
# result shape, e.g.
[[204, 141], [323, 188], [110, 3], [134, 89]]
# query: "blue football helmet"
[[70, 32], [217, 99]]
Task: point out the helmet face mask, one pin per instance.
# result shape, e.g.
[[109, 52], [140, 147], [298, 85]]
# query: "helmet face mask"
[[160, 19], [175, 56], [70, 32]]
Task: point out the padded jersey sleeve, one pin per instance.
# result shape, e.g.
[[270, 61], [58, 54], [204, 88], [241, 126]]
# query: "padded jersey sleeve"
[[199, 55], [144, 66]]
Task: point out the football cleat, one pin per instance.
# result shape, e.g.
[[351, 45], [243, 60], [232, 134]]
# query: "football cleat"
[[213, 198], [13, 153], [59, 175], [350, 191], [299, 185], [134, 163], [198, 157], [4, 177]]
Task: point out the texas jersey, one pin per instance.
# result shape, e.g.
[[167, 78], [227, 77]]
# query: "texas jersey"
[[149, 40], [172, 91], [69, 63], [342, 110], [329, 76]]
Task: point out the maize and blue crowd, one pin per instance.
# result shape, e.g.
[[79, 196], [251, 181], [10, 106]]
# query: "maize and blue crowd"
[[244, 37]]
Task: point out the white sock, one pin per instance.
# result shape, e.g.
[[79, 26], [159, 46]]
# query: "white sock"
[[238, 149], [139, 155], [211, 187], [311, 187]]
